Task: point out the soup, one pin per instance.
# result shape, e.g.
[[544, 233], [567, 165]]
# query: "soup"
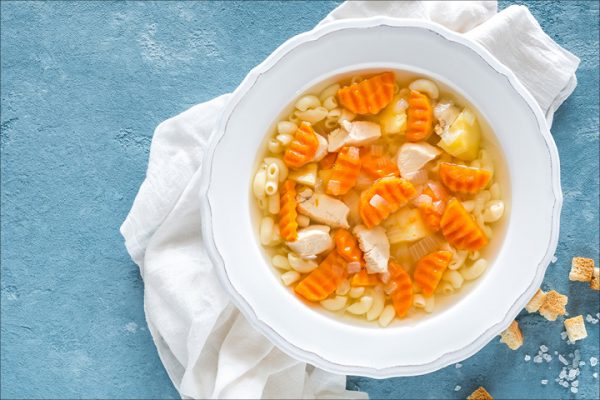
[[378, 195]]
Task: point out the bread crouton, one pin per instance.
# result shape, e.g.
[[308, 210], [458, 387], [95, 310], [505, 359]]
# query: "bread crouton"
[[581, 269], [512, 336], [480, 394], [554, 305], [536, 301], [575, 328], [595, 282]]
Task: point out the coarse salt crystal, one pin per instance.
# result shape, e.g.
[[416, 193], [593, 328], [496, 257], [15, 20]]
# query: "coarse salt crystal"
[[457, 388], [574, 390], [527, 357], [563, 335], [537, 359], [572, 374], [563, 374], [458, 365], [543, 348], [544, 381], [554, 259], [562, 359], [593, 361], [565, 384], [598, 315], [547, 357], [556, 353], [589, 318], [595, 375], [581, 363], [575, 383]]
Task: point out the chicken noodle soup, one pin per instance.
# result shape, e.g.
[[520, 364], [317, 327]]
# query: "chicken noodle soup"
[[378, 198]]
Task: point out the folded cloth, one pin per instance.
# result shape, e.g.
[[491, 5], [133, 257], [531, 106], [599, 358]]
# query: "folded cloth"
[[207, 347]]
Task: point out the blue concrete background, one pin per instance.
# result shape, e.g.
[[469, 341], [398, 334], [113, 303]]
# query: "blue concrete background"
[[83, 86]]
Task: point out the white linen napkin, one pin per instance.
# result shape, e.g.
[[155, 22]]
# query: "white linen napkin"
[[207, 347]]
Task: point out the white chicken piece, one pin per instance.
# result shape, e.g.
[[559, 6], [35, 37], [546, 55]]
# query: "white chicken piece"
[[324, 209], [357, 133], [412, 157], [445, 112], [375, 246], [322, 149], [312, 241]]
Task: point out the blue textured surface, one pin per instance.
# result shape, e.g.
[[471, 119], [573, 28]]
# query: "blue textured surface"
[[83, 86]]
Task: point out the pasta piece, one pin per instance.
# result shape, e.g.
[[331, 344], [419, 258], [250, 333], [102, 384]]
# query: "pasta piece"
[[307, 102], [303, 148], [363, 278], [259, 182], [420, 117], [368, 96], [356, 292], [335, 304], [288, 226], [273, 204], [266, 231], [313, 115], [324, 280], [378, 165], [280, 262], [463, 179], [402, 296], [378, 303], [347, 246], [384, 197], [328, 161], [429, 270], [286, 128], [329, 91], [289, 277], [454, 278], [460, 229], [345, 171], [475, 270], [425, 86], [387, 316], [362, 306]]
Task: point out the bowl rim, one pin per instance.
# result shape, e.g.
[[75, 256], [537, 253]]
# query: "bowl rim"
[[248, 311]]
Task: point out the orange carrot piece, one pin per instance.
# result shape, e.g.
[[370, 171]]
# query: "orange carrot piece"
[[345, 171], [302, 148], [347, 246], [402, 296], [419, 117], [369, 96], [431, 216], [378, 166], [460, 229], [323, 280], [429, 270], [363, 278], [463, 179], [328, 161], [384, 197], [432, 213], [288, 227]]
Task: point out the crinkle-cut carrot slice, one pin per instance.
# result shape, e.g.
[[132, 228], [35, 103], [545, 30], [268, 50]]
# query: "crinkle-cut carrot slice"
[[302, 148], [402, 296], [460, 229], [463, 179], [378, 166], [363, 278], [346, 245], [288, 227], [429, 270], [431, 216], [328, 161], [345, 171], [323, 280], [419, 123], [385, 196], [369, 96]]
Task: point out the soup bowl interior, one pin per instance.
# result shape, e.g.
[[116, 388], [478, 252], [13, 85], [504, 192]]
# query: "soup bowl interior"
[[526, 167]]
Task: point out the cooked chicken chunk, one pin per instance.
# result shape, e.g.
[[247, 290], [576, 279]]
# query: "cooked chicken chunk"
[[376, 247], [324, 209], [445, 112], [412, 157], [357, 133], [312, 240], [322, 149]]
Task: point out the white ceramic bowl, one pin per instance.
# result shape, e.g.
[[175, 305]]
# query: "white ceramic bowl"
[[410, 347]]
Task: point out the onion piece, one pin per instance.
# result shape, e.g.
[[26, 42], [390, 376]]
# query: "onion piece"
[[422, 199], [378, 202], [419, 177]]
